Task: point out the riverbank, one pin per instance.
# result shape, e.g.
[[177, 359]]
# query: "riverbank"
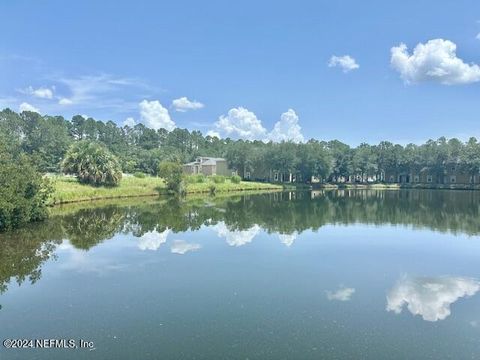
[[359, 186], [399, 186], [69, 190]]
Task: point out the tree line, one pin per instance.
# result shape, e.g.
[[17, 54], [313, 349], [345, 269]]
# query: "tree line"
[[46, 139]]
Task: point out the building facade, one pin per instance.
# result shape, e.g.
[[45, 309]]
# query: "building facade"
[[451, 174], [208, 166]]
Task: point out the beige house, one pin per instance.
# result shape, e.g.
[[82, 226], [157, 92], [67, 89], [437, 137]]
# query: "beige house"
[[208, 166]]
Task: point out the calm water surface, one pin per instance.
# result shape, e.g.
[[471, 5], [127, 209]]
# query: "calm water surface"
[[326, 275]]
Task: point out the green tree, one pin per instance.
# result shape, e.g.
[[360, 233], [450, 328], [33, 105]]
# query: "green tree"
[[23, 191], [172, 174], [92, 163], [470, 158]]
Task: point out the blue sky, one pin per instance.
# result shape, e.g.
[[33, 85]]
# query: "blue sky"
[[251, 69]]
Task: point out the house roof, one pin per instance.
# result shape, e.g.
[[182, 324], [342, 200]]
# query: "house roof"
[[205, 160]]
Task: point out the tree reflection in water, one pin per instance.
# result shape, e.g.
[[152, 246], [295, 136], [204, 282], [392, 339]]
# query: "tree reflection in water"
[[23, 252]]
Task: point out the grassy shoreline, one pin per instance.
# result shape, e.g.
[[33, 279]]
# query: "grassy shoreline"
[[399, 186], [69, 190]]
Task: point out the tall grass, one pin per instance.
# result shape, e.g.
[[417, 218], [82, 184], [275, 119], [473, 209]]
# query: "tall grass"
[[68, 189]]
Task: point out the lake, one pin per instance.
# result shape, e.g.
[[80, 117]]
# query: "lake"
[[343, 274]]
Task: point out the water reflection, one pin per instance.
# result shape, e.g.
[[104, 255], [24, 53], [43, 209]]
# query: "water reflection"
[[23, 253], [237, 220], [430, 297], [288, 239], [236, 237], [152, 240], [341, 294], [82, 262], [181, 247]]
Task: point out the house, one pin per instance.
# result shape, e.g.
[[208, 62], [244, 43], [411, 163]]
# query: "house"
[[450, 174], [208, 166]]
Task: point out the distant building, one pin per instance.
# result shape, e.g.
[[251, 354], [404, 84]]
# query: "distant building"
[[208, 166], [450, 174]]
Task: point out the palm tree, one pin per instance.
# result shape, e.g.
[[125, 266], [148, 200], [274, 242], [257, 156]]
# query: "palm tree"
[[92, 163]]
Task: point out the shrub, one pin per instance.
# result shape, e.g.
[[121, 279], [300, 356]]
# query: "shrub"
[[23, 191], [212, 188], [172, 174], [92, 163], [199, 178], [195, 179], [139, 175], [235, 179], [218, 179]]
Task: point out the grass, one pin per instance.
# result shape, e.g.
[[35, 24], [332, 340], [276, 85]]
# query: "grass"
[[69, 190]]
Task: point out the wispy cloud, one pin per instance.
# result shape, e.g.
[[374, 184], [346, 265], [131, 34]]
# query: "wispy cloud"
[[99, 91]]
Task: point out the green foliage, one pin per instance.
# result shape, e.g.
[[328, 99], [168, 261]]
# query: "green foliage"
[[140, 149], [235, 179], [195, 179], [139, 174], [92, 163], [218, 179], [212, 188], [23, 191], [172, 174]]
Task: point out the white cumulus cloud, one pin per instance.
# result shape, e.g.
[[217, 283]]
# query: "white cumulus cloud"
[[430, 297], [287, 128], [155, 116], [240, 123], [27, 107], [236, 237], [182, 247], [346, 62], [478, 36], [213, 133], [129, 121], [184, 104], [152, 240], [435, 61], [341, 294]]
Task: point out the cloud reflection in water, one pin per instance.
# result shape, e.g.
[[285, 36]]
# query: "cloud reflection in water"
[[182, 247], [236, 237], [342, 294], [152, 240], [430, 297]]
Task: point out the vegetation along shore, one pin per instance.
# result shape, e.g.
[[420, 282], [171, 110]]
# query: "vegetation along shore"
[[104, 160], [69, 190]]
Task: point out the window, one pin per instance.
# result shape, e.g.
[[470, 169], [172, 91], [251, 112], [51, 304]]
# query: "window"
[[247, 175], [416, 178], [453, 179], [392, 179], [454, 168], [275, 177], [429, 178]]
